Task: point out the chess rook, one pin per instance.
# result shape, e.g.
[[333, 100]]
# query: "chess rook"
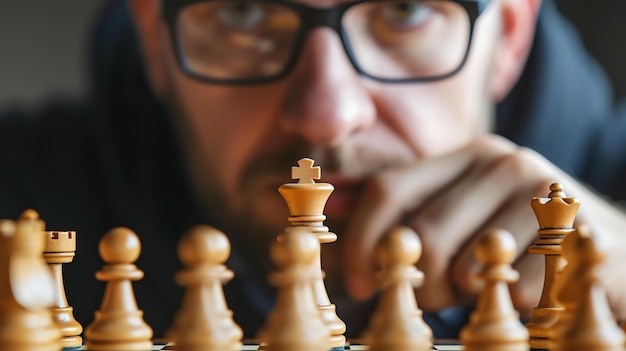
[[119, 324], [495, 325], [204, 322], [26, 288], [306, 200], [555, 215], [60, 248], [397, 323]]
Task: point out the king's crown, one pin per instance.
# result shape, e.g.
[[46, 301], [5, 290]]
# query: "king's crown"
[[306, 198]]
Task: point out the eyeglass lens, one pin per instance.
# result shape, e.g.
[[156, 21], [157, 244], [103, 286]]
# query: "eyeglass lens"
[[389, 40]]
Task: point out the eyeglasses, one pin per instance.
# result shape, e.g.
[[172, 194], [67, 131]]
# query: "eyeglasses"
[[258, 41]]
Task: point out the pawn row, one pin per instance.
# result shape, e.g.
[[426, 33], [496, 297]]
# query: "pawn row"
[[204, 321]]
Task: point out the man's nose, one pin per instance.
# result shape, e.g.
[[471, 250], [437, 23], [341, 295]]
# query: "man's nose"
[[327, 100]]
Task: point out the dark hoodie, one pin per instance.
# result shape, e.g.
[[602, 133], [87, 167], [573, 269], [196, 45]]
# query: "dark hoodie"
[[113, 159]]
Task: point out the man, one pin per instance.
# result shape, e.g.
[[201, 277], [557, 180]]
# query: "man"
[[399, 110]]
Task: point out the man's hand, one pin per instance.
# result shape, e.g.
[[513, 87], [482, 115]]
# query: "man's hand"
[[450, 201]]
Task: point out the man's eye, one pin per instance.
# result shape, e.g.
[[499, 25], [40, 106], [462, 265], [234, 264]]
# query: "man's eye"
[[241, 15], [406, 13]]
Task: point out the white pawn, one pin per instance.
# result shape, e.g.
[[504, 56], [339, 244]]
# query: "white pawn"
[[495, 325], [397, 323], [296, 322], [119, 324], [590, 325], [565, 289], [204, 322]]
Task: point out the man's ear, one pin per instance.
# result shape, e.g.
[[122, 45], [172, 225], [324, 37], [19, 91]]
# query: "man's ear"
[[148, 25], [518, 21]]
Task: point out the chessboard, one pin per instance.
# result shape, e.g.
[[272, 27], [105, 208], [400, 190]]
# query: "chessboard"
[[257, 347], [31, 318]]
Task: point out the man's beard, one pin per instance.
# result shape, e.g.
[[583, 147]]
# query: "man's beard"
[[238, 216]]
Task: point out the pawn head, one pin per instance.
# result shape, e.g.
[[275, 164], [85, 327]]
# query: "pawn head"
[[294, 248], [590, 249], [401, 245], [203, 244], [497, 246], [120, 245]]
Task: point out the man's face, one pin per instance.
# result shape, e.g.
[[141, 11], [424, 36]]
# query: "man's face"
[[243, 140]]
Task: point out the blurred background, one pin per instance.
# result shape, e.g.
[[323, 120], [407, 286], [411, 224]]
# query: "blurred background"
[[43, 45], [42, 49]]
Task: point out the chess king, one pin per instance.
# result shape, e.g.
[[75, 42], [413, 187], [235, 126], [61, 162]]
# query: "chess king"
[[306, 200], [556, 215]]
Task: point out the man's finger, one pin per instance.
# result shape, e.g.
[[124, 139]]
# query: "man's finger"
[[386, 199]]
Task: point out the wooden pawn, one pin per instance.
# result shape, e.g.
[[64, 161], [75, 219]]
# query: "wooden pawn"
[[565, 289], [296, 322], [495, 325], [119, 324], [397, 323], [204, 322], [591, 326]]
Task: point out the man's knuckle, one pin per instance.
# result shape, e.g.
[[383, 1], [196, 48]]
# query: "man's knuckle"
[[519, 163]]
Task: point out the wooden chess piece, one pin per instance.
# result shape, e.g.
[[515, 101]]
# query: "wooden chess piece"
[[296, 322], [565, 289], [555, 215], [397, 323], [494, 325], [60, 248], [306, 200], [204, 322], [119, 324], [26, 288], [591, 326]]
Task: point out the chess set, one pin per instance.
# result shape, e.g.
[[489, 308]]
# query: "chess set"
[[257, 347], [573, 313]]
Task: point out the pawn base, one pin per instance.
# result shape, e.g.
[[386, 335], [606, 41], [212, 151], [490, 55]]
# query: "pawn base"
[[122, 346]]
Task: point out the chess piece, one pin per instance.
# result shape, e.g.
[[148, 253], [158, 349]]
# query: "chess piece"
[[119, 324], [306, 200], [591, 326], [555, 215], [296, 322], [397, 323], [565, 288], [494, 325], [26, 288], [204, 322], [60, 247]]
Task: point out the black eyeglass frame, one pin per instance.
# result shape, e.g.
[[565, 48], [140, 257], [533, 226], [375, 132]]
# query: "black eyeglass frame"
[[311, 18]]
